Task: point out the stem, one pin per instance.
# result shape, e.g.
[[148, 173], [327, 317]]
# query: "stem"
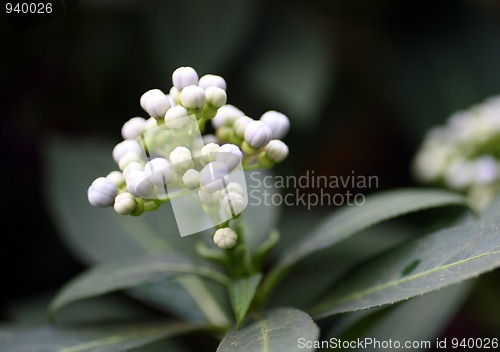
[[270, 281]]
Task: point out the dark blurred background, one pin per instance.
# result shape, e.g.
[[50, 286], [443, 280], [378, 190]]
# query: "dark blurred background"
[[360, 80]]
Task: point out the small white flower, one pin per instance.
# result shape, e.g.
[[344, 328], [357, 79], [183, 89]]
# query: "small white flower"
[[116, 177], [125, 146], [150, 124], [226, 116], [209, 152], [459, 174], [191, 179], [101, 193], [158, 171], [257, 134], [214, 176], [486, 170], [240, 125], [209, 138], [277, 122], [155, 103], [233, 204], [181, 158], [125, 203], [128, 158], [276, 150], [230, 155], [215, 96], [131, 167], [235, 187], [176, 117], [183, 77], [193, 97], [175, 96], [139, 185], [225, 238], [208, 198], [133, 128], [212, 81]]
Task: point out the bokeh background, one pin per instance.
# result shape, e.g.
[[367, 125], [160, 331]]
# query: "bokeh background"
[[360, 80]]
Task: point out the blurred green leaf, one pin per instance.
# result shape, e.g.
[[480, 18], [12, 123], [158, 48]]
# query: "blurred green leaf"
[[96, 235], [351, 220], [277, 331], [426, 264], [202, 34], [292, 67], [103, 338], [241, 293], [419, 319], [126, 273]]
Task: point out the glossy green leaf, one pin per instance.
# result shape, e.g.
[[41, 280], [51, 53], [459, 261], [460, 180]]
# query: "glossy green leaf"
[[96, 235], [419, 319], [378, 207], [277, 331], [127, 273], [241, 294], [102, 337], [426, 264]]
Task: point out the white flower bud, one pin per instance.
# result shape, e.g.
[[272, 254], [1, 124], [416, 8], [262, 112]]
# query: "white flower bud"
[[191, 179], [125, 203], [215, 96], [486, 170], [235, 187], [226, 116], [209, 138], [276, 150], [133, 128], [101, 193], [257, 134], [175, 96], [116, 177], [181, 158], [225, 238], [157, 171], [193, 97], [459, 174], [131, 167], [209, 152], [155, 103], [138, 184], [277, 122], [128, 158], [233, 204], [183, 77], [208, 198], [150, 124], [213, 176], [208, 81], [240, 125], [126, 146], [230, 155], [176, 117]]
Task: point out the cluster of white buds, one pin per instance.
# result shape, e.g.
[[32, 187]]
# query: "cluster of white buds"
[[464, 154], [163, 150]]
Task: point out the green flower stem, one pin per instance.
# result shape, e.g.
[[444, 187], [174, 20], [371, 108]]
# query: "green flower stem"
[[270, 281]]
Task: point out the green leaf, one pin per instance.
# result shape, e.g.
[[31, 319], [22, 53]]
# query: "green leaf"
[[420, 266], [96, 235], [241, 293], [351, 220], [419, 319], [378, 207], [122, 274], [102, 338], [277, 331]]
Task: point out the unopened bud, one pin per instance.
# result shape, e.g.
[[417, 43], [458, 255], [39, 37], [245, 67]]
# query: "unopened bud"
[[212, 81], [193, 97], [183, 77], [125, 203], [257, 134], [225, 238], [133, 128], [101, 193]]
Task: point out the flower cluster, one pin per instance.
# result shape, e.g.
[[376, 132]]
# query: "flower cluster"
[[165, 156], [464, 154]]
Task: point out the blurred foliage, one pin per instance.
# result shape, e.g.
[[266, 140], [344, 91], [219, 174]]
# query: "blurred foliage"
[[361, 81]]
